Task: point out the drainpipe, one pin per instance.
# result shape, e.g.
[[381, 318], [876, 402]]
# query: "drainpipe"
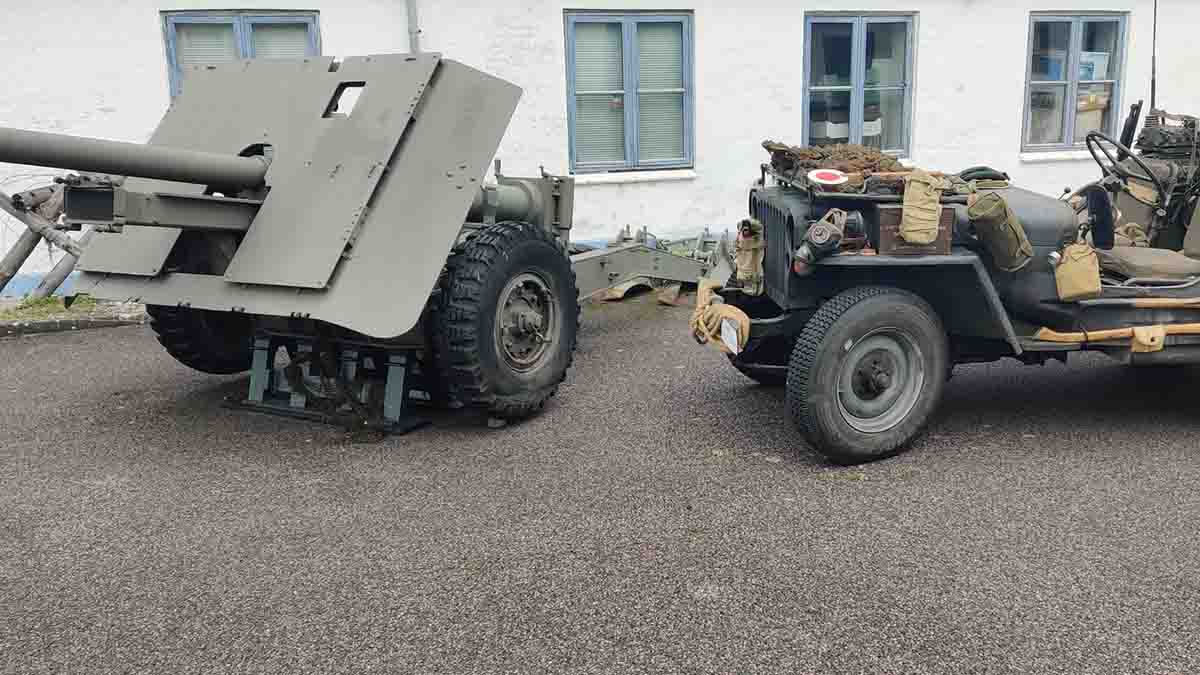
[[414, 27], [1153, 62]]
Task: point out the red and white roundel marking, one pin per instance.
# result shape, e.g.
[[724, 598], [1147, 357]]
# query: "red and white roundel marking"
[[827, 176]]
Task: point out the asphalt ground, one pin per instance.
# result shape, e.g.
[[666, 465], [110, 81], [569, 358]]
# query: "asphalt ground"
[[660, 516]]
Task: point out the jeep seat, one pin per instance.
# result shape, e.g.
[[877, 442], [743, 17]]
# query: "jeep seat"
[[1142, 262]]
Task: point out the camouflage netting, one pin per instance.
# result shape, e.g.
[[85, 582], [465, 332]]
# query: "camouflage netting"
[[792, 160], [869, 171], [857, 161]]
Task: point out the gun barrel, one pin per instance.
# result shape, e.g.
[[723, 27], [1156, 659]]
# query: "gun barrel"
[[514, 202], [77, 153]]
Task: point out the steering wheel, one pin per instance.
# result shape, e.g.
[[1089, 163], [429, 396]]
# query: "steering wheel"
[[1097, 144]]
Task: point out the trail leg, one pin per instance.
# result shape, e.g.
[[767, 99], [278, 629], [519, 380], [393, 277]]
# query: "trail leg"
[[17, 255], [61, 271]]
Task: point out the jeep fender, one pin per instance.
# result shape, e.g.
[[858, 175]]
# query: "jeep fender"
[[956, 285]]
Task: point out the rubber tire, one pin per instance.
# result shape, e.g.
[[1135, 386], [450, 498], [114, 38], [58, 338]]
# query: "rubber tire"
[[218, 343], [817, 358], [464, 311]]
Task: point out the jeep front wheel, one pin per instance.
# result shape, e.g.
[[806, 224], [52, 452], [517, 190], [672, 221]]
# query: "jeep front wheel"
[[866, 373]]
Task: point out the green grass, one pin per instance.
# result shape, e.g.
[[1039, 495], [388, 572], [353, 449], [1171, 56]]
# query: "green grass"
[[40, 309]]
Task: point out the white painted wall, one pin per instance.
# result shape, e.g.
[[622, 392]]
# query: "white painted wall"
[[971, 57], [100, 70]]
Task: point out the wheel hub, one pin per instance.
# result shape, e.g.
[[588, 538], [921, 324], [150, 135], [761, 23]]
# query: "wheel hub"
[[525, 321], [874, 375], [880, 380]]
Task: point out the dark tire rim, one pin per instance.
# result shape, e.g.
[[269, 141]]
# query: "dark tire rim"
[[527, 316], [880, 380]]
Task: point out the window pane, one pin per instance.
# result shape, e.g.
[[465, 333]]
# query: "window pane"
[[1051, 44], [1098, 59], [883, 119], [886, 47], [1093, 110], [660, 55], [280, 40], [829, 54], [598, 57], [599, 128], [599, 118], [201, 44], [660, 126], [1046, 114], [660, 115], [829, 117]]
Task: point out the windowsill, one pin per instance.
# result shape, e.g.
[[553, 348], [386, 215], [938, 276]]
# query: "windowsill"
[[628, 177], [1054, 156]]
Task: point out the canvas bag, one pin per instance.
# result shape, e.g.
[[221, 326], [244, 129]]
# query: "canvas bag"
[[1078, 274], [922, 208], [1131, 234], [1000, 231]]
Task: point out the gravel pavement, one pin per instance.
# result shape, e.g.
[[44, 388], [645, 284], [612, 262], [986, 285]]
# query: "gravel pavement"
[[660, 516]]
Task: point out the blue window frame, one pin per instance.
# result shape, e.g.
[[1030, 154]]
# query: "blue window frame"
[[858, 75], [203, 38], [1073, 78], [629, 91]]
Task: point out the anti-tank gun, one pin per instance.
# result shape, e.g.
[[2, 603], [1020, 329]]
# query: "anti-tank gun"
[[338, 210]]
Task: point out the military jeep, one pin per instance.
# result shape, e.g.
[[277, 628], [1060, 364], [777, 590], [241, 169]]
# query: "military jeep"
[[865, 332]]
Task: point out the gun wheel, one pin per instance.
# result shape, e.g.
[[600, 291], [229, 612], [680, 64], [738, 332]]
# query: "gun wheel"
[[526, 322], [210, 342], [505, 319]]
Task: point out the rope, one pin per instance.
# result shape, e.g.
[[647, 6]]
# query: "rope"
[[710, 315]]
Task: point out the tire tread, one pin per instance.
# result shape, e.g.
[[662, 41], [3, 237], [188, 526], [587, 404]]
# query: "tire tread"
[[804, 361], [457, 308], [184, 334]]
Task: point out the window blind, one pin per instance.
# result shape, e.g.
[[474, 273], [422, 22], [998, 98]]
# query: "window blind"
[[280, 40], [599, 93], [205, 43], [660, 90]]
